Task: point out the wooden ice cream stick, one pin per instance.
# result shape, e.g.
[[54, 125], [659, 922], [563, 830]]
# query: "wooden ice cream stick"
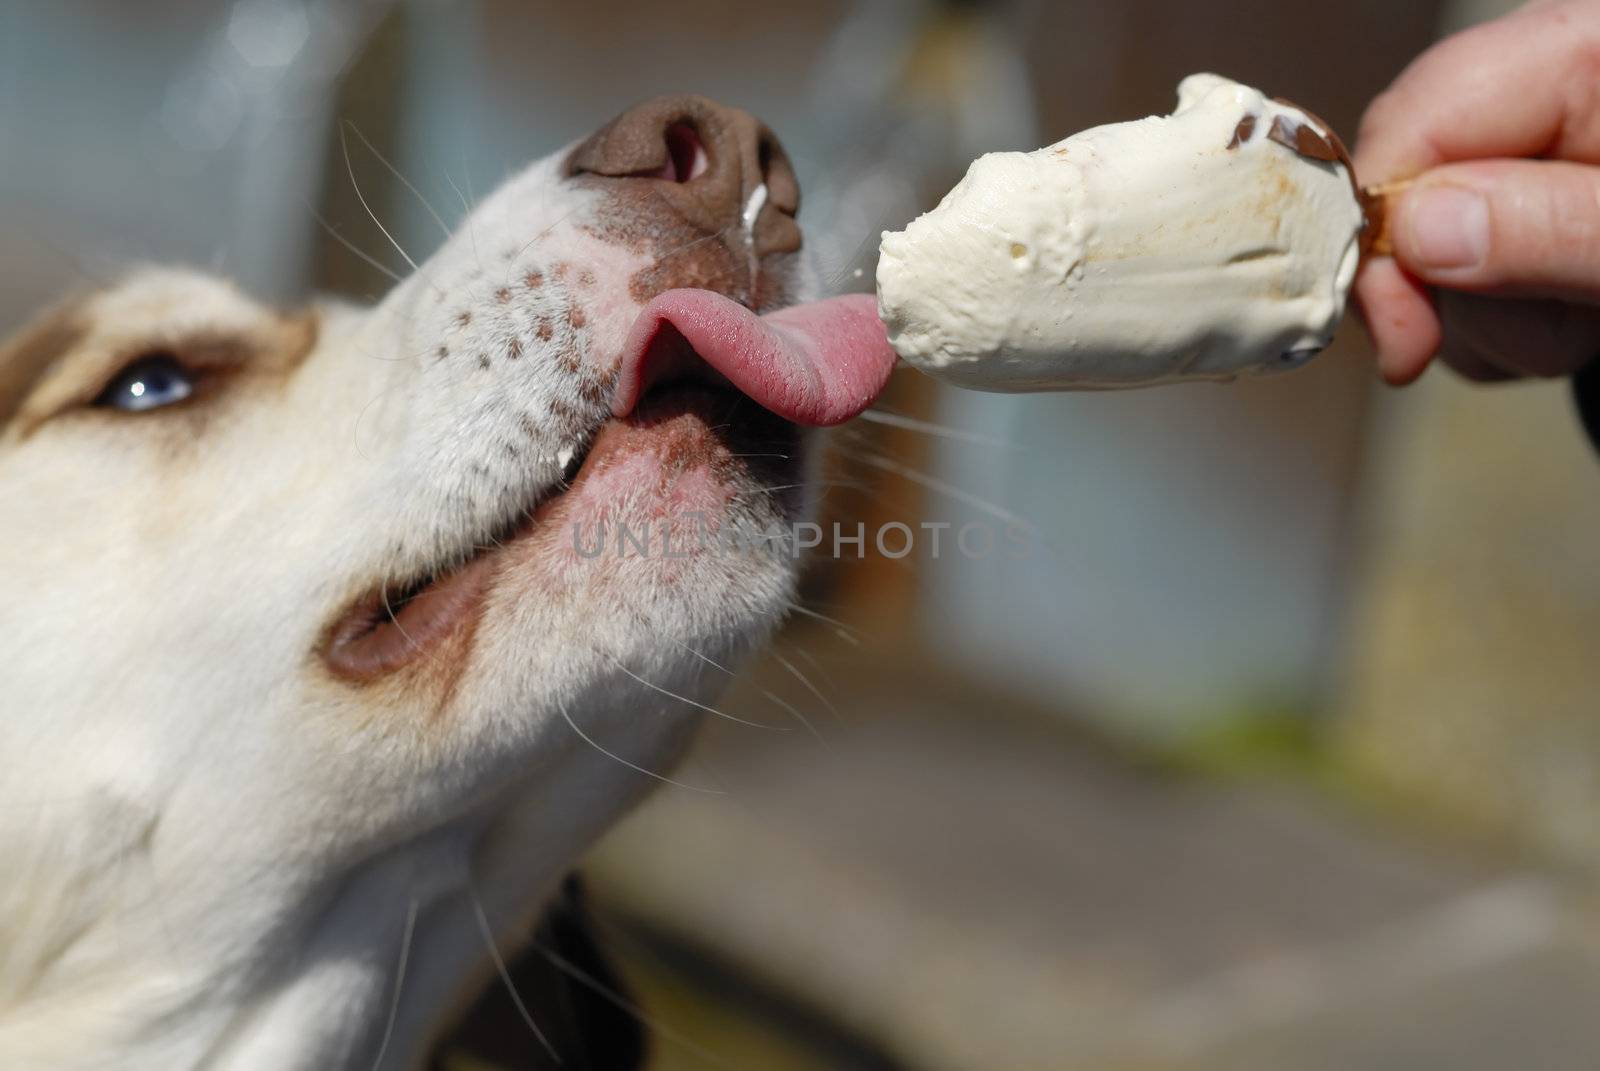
[[1376, 201]]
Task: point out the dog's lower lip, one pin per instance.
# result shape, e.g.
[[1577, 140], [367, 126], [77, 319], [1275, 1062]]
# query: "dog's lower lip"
[[391, 627], [372, 639]]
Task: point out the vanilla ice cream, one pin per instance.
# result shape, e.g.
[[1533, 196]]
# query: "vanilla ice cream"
[[1217, 240]]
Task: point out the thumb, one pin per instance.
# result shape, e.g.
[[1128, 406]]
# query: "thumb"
[[1528, 228]]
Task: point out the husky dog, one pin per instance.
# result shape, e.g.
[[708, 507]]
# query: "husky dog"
[[312, 692]]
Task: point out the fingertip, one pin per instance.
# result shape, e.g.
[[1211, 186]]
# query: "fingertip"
[[1399, 371], [1400, 318]]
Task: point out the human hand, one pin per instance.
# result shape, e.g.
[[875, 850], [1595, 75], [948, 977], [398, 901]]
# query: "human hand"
[[1496, 265]]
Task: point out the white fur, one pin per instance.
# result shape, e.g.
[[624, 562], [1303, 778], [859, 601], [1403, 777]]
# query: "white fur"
[[210, 848]]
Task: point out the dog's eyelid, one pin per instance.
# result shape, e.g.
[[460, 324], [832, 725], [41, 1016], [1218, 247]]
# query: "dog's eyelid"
[[203, 354], [179, 373], [212, 352]]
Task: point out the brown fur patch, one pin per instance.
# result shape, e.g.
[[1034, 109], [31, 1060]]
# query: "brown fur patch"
[[428, 681], [30, 354], [635, 217]]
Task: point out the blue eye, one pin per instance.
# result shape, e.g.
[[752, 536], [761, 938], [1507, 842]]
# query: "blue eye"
[[148, 383]]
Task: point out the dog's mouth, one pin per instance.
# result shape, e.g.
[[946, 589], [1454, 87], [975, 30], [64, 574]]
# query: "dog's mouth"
[[398, 622], [748, 380]]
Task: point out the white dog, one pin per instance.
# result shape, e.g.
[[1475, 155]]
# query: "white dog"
[[311, 669]]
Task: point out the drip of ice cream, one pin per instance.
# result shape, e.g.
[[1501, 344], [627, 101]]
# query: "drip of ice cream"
[[1218, 240]]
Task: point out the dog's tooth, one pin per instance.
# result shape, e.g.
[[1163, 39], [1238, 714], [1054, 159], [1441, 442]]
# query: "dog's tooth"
[[564, 456]]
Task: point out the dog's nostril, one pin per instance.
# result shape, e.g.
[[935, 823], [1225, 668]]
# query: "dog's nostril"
[[764, 158], [715, 167], [776, 174], [686, 154]]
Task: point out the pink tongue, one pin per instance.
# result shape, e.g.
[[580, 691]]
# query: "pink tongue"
[[819, 364]]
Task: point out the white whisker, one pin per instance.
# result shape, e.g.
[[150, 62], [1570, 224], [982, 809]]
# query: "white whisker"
[[466, 209], [949, 490], [399, 981], [632, 765], [373, 149], [789, 707], [707, 659], [699, 706], [505, 975], [367, 258], [794, 712], [842, 630], [344, 144], [814, 663], [384, 593], [895, 420], [812, 688]]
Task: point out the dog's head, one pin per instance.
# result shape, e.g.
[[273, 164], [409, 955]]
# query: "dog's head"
[[327, 630]]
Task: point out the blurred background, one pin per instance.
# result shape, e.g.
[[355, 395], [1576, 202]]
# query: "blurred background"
[[1277, 745]]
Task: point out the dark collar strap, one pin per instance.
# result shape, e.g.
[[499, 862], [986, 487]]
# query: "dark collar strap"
[[1586, 392]]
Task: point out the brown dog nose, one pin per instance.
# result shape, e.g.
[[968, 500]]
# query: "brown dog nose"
[[710, 163]]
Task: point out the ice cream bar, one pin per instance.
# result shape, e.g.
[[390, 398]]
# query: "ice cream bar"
[[1219, 240]]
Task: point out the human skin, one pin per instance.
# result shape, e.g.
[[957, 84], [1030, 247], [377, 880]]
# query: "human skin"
[[1496, 265]]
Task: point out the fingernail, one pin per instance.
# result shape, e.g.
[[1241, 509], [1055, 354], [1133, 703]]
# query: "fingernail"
[[1449, 227]]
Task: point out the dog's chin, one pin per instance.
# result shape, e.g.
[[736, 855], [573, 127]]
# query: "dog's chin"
[[689, 448]]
